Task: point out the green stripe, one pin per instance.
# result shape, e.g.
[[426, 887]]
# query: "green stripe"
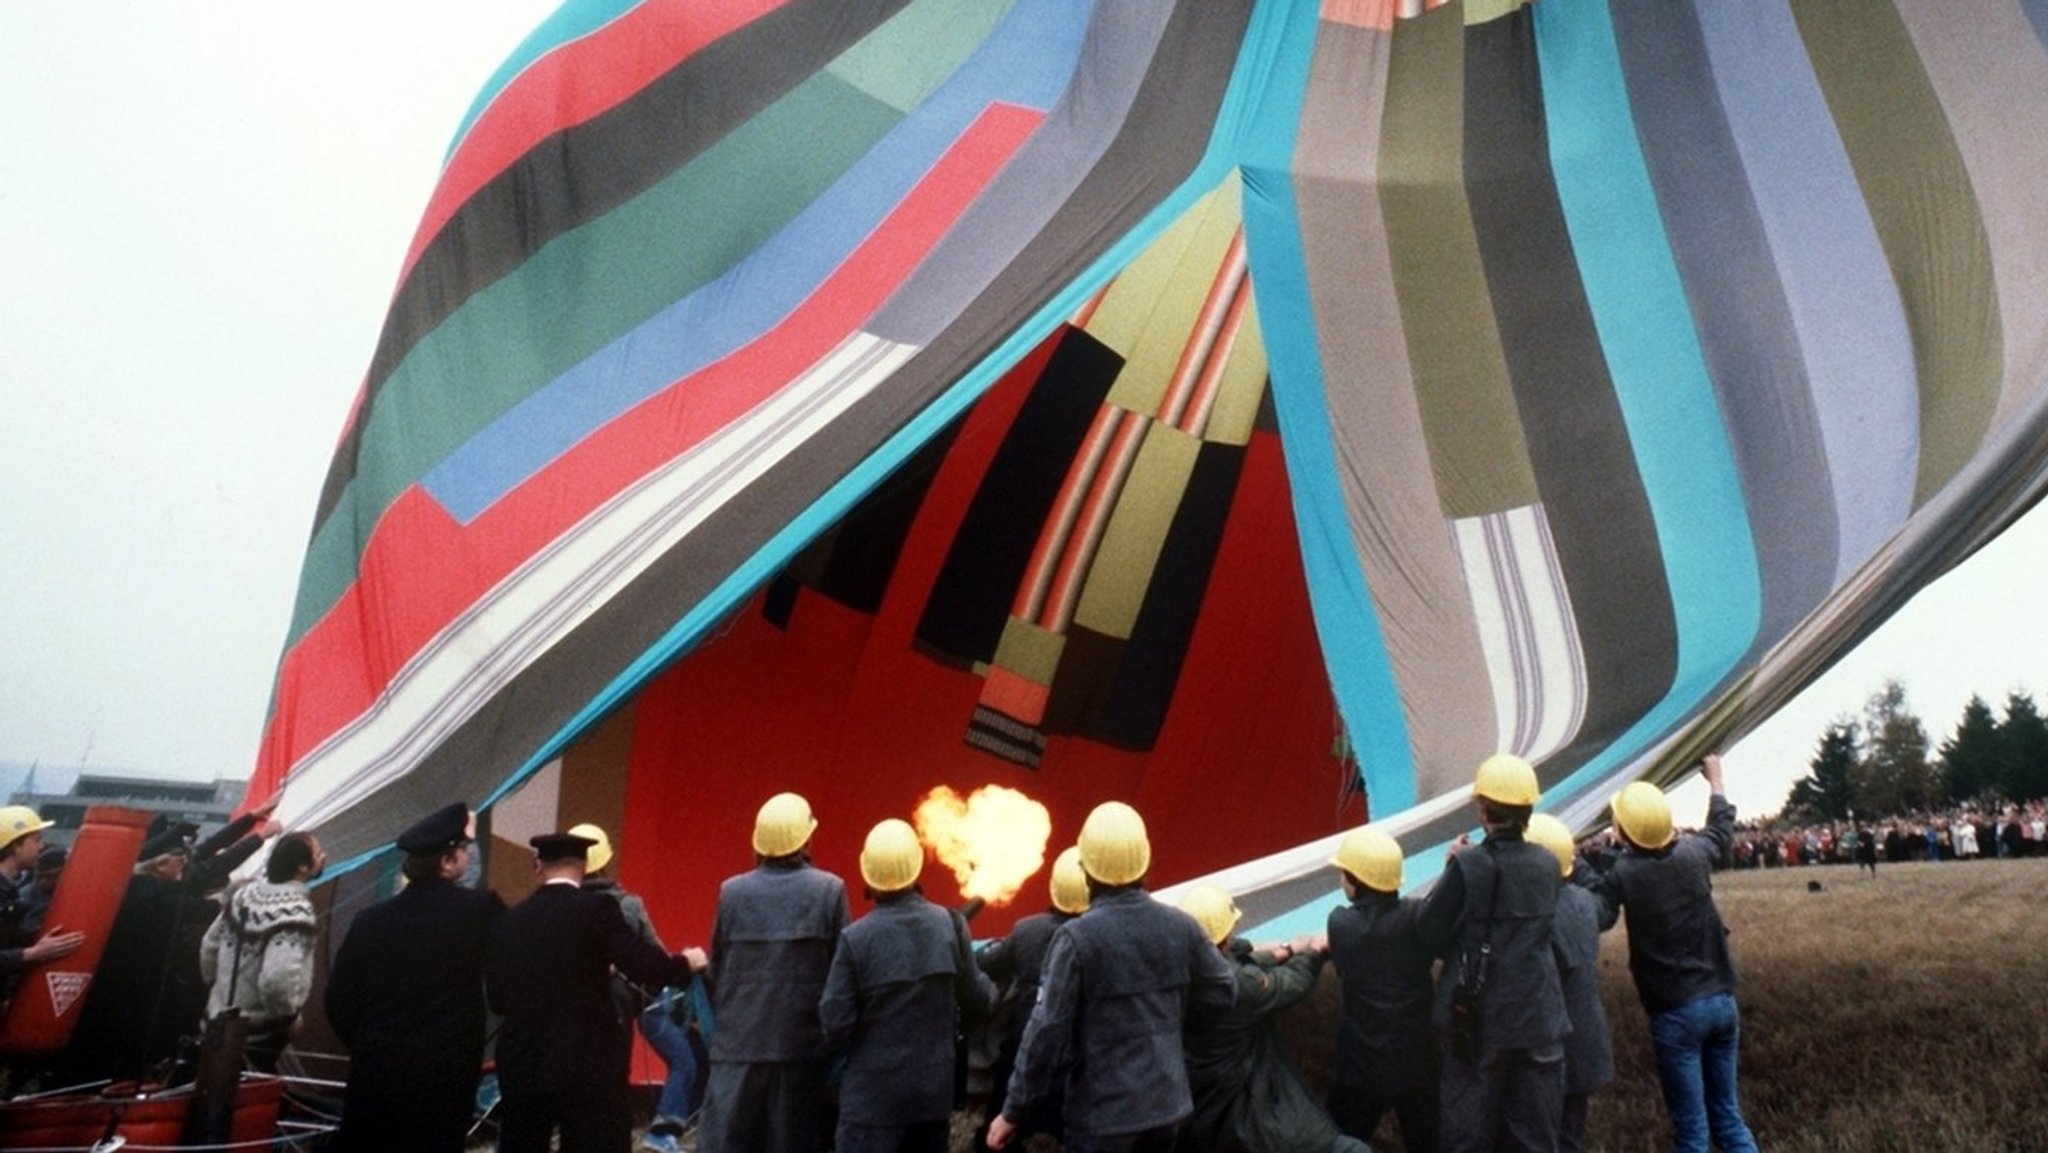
[[1469, 419], [918, 49], [1927, 219], [530, 327]]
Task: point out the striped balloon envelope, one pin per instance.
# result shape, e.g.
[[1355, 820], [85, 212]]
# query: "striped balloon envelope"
[[1256, 410]]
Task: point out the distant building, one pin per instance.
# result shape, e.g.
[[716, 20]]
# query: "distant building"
[[207, 804]]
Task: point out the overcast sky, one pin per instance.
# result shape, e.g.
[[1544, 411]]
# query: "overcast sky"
[[203, 209]]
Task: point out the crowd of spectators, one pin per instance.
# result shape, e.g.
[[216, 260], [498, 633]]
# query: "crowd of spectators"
[[1958, 833]]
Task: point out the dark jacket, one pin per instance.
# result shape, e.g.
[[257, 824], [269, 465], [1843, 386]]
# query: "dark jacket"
[[628, 998], [406, 995], [148, 991], [1016, 964], [1589, 1051], [1247, 1096], [1501, 895], [549, 972], [1677, 946], [771, 947], [903, 982], [1385, 1039], [1120, 982]]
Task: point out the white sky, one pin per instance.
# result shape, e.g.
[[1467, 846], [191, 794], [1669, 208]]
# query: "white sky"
[[203, 209]]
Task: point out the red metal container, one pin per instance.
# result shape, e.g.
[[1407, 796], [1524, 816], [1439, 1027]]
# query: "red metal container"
[[47, 1002]]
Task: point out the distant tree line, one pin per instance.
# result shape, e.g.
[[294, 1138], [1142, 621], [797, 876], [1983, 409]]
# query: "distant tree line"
[[1880, 763]]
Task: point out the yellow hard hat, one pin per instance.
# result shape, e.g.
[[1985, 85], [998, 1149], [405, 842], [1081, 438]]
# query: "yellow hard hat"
[[1212, 909], [600, 854], [892, 857], [18, 821], [783, 825], [1551, 833], [1069, 883], [1372, 856], [1643, 813], [1114, 849], [1506, 779]]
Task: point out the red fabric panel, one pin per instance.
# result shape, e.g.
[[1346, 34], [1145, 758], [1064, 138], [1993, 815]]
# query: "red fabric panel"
[[841, 708]]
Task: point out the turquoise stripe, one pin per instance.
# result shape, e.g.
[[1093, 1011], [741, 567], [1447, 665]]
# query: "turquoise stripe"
[[1232, 121], [1354, 650], [575, 18], [1660, 376]]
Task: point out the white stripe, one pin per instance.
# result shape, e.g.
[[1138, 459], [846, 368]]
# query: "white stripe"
[[1534, 661], [567, 582]]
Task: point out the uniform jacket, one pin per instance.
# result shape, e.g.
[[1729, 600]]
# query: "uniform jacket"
[[771, 947], [549, 971], [1677, 946], [903, 981], [148, 991], [258, 954], [1120, 982], [406, 995], [627, 998], [1247, 1096], [1016, 963], [1386, 971], [1589, 1051], [1503, 893]]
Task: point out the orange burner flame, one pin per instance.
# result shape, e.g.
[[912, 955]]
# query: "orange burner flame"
[[993, 840]]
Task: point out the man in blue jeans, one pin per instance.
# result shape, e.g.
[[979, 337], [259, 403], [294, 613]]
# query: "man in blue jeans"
[[1678, 952]]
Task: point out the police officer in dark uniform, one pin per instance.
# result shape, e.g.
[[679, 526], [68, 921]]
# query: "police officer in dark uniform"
[[771, 948], [564, 1055], [1500, 1000], [1015, 964], [903, 982], [1120, 983], [406, 995]]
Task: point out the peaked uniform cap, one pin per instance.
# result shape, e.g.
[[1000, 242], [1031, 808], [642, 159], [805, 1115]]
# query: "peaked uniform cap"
[[438, 831], [1114, 847], [783, 825], [561, 846], [600, 845]]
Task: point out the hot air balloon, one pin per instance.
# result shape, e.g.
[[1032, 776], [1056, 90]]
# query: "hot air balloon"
[[1257, 410]]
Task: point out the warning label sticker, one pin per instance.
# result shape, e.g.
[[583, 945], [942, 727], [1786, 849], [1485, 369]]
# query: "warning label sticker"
[[66, 989]]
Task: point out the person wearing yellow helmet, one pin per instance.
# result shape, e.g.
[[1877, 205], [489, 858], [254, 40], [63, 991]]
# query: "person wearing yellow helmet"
[[772, 941], [902, 979], [1678, 953], [1589, 1051], [1386, 1047], [1247, 1094], [1015, 963], [1500, 1004], [1119, 984], [21, 945]]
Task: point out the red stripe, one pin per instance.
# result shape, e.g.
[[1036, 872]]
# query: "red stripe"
[[420, 568], [571, 84]]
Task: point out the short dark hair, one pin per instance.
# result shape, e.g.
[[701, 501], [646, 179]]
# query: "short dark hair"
[[292, 852], [423, 866], [1506, 816]]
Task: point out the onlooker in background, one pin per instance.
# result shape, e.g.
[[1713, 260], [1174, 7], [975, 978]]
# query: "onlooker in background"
[[406, 995], [771, 947], [258, 954], [1589, 1050], [1386, 1047], [903, 982], [1678, 951], [1016, 964], [1247, 1096]]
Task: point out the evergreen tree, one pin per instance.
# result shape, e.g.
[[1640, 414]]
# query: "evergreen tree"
[[2023, 736], [1973, 760], [1827, 791], [1895, 774]]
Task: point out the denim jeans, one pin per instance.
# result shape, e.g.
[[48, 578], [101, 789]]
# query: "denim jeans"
[[1696, 1046], [671, 1039]]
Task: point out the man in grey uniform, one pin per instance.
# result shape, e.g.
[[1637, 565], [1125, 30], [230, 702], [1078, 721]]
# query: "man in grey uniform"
[[1120, 983], [771, 948]]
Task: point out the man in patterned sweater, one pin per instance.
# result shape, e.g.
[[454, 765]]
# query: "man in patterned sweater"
[[258, 955]]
